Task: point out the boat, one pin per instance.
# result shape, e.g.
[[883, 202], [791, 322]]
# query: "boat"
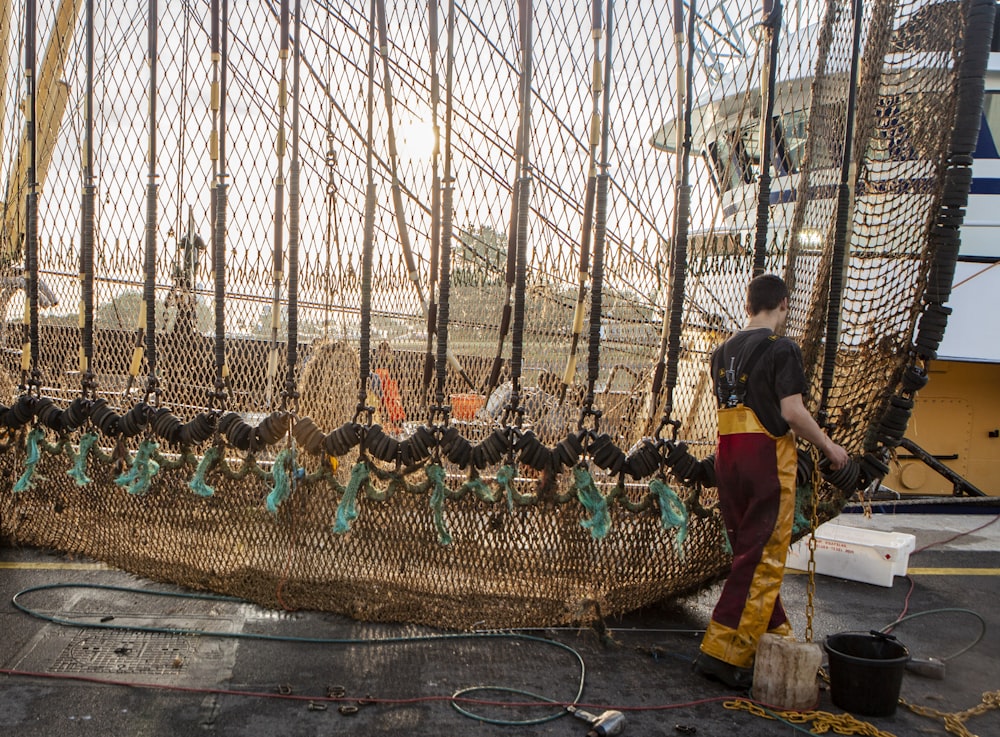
[[947, 449]]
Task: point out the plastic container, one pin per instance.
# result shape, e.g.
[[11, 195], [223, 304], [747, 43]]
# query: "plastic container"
[[465, 406], [866, 672], [855, 553]]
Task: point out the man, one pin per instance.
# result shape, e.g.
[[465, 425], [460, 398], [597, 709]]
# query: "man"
[[759, 382]]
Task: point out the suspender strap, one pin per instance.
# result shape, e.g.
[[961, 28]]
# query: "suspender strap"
[[731, 392]]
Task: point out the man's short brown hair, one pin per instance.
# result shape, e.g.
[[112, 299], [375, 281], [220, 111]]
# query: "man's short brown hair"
[[765, 293]]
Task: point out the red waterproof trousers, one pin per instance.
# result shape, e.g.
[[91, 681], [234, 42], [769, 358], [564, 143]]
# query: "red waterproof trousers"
[[756, 482]]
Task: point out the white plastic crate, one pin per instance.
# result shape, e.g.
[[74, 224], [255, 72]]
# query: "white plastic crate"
[[869, 556]]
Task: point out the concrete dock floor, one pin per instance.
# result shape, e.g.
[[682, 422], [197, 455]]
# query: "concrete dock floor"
[[375, 679]]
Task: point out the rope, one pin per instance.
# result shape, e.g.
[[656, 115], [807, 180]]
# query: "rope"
[[673, 513], [435, 474], [347, 509], [593, 501], [284, 461], [78, 472], [198, 484], [24, 482], [142, 470]]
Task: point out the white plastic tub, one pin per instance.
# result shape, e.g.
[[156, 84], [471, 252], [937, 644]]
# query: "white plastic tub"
[[857, 554]]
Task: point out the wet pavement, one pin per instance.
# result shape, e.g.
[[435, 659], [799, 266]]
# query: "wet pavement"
[[333, 676]]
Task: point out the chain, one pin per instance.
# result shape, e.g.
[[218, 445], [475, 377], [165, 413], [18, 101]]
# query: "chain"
[[955, 722], [813, 524], [823, 722]]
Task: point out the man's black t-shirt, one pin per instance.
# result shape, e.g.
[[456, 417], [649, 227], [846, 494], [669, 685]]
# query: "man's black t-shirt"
[[778, 374]]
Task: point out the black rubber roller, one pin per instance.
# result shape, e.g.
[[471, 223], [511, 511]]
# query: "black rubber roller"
[[873, 470], [644, 460], [708, 477], [76, 414], [308, 436], [48, 413], [846, 478], [459, 451], [273, 427]]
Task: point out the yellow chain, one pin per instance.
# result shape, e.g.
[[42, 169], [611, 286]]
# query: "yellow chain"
[[955, 722], [822, 721], [813, 524]]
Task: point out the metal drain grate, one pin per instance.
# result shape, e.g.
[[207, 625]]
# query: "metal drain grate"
[[134, 653]]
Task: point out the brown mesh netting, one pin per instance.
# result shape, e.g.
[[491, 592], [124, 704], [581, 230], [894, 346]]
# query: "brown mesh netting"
[[411, 319]]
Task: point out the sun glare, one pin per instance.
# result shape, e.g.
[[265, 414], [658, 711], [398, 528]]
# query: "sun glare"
[[415, 140]]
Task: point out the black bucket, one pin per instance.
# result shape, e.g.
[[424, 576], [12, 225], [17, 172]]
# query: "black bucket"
[[866, 671]]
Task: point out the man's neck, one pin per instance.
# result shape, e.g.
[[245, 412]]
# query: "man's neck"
[[769, 319]]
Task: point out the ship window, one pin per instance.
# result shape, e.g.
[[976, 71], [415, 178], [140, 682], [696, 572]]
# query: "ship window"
[[790, 133], [991, 113], [732, 165]]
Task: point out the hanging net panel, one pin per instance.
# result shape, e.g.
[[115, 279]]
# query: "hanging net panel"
[[405, 310]]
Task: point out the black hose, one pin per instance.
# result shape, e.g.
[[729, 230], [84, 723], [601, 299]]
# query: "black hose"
[[844, 213], [773, 23], [293, 221], [30, 378], [221, 201], [435, 244], [678, 258], [600, 224], [87, 212], [277, 250], [369, 229], [447, 204], [149, 285], [526, 8]]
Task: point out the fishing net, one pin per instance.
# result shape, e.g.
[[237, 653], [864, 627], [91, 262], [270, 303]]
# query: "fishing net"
[[405, 310]]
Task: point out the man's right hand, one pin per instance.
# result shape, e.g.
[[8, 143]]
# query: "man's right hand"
[[837, 455]]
